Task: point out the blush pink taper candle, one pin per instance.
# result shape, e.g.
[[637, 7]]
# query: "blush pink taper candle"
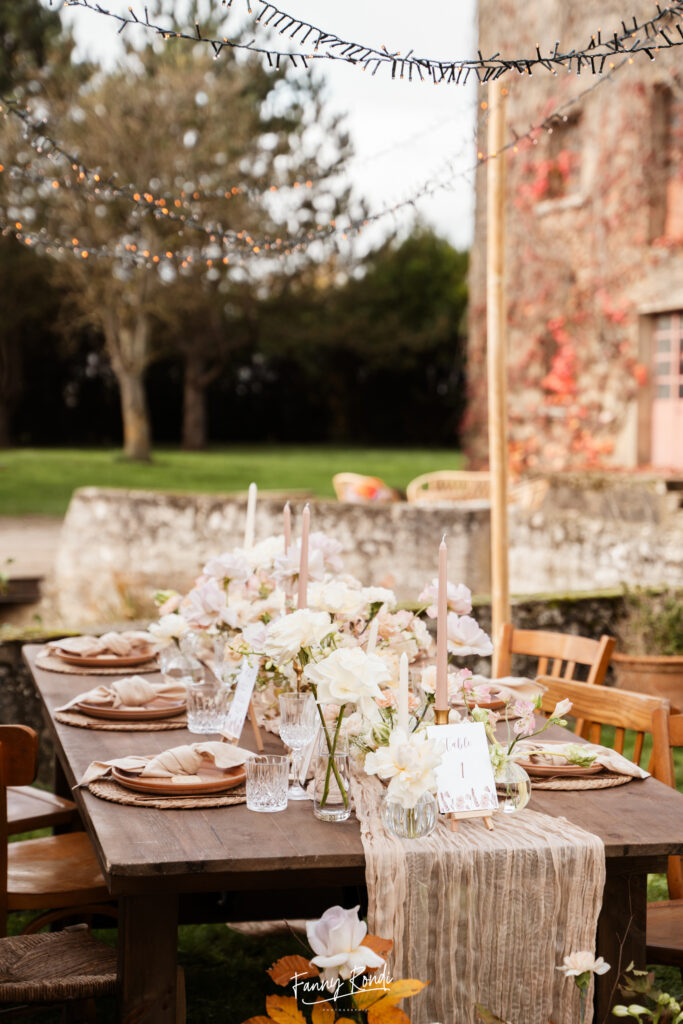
[[441, 693], [287, 516], [303, 564]]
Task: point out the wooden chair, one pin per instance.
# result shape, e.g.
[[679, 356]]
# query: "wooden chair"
[[558, 653], [29, 808], [665, 918], [601, 705], [56, 871], [449, 485], [356, 489]]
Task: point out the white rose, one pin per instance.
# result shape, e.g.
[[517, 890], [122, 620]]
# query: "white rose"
[[409, 762], [303, 628], [465, 636], [168, 628], [230, 565], [336, 598], [582, 962], [458, 598], [336, 939], [348, 676]]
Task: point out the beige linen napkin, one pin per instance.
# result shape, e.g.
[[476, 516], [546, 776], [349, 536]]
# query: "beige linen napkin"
[[177, 761], [603, 755], [132, 692], [125, 644]]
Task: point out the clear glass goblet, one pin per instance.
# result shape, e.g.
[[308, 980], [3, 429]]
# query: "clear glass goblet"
[[298, 726]]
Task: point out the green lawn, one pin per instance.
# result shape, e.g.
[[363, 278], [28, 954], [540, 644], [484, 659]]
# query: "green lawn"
[[41, 480]]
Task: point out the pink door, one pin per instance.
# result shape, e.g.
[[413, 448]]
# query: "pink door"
[[667, 392]]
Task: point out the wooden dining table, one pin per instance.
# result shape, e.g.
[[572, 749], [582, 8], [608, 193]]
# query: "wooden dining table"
[[168, 866]]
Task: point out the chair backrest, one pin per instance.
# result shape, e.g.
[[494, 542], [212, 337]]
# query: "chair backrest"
[[622, 709], [664, 771], [18, 763], [355, 488], [558, 653], [449, 485]]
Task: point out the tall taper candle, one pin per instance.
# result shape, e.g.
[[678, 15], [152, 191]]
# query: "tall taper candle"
[[403, 693], [441, 694], [372, 634], [287, 516], [303, 564], [251, 517]]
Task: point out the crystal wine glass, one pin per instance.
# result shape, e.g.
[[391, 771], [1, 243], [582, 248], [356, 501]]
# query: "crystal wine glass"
[[298, 725]]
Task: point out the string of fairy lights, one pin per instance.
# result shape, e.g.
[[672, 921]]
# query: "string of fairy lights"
[[222, 247], [648, 36]]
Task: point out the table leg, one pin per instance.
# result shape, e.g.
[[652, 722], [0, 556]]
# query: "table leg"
[[621, 935], [148, 941]]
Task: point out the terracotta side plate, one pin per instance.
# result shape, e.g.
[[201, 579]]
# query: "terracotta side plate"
[[494, 704], [106, 660], [559, 770], [207, 780], [160, 707]]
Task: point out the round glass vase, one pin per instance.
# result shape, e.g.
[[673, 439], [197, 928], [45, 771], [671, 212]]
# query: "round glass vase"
[[331, 790], [513, 786], [410, 822]]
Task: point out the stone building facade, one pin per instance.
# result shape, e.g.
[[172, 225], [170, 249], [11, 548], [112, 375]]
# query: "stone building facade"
[[594, 249]]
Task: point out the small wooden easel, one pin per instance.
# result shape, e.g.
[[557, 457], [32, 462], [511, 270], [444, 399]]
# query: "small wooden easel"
[[454, 817]]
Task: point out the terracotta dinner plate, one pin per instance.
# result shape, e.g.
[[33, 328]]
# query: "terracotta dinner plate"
[[106, 660], [213, 780], [491, 705], [160, 707], [547, 770]]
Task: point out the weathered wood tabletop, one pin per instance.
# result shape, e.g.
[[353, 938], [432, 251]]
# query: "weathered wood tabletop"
[[290, 863]]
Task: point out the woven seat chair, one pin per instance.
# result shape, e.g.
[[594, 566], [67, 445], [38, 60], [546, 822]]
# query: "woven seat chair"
[[356, 489], [449, 485], [664, 932]]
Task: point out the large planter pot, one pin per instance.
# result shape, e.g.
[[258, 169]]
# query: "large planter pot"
[[658, 675]]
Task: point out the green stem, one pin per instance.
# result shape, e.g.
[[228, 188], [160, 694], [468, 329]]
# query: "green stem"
[[330, 748], [428, 704], [582, 1005]]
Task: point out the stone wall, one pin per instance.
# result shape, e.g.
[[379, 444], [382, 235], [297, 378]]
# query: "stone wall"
[[118, 547]]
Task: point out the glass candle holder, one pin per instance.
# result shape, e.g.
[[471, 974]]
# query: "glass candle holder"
[[267, 780]]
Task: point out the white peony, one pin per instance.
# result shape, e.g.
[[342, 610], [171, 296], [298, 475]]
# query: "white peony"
[[379, 595], [336, 598], [583, 962], [465, 636], [285, 637], [168, 628], [337, 939], [348, 676], [458, 598], [409, 762], [264, 554], [205, 605], [230, 565]]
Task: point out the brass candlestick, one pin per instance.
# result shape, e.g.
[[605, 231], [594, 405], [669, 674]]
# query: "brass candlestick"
[[441, 716]]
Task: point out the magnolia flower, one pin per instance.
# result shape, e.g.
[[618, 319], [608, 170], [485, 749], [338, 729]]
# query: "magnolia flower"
[[229, 566], [348, 676], [205, 605], [336, 598], [285, 637], [582, 962], [465, 636], [458, 598], [168, 628], [409, 762], [337, 939], [562, 708]]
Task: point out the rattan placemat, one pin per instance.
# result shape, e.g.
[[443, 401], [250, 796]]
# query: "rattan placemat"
[[55, 664], [107, 789], [606, 781], [106, 725]]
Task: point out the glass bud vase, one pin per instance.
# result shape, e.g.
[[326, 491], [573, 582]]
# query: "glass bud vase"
[[410, 822], [331, 790], [513, 787]]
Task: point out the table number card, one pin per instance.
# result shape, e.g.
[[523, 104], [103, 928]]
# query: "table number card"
[[465, 777], [240, 702]]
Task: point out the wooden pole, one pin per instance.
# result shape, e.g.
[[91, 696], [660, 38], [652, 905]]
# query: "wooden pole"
[[496, 330]]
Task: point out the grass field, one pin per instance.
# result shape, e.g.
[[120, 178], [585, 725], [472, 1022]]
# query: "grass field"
[[41, 480]]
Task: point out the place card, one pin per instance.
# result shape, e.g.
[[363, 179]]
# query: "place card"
[[240, 702], [465, 777]]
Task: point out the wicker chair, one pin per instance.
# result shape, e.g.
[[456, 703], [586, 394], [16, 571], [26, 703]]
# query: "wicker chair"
[[356, 489], [448, 485], [47, 968]]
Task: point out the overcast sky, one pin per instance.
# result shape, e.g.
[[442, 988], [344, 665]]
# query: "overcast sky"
[[404, 134]]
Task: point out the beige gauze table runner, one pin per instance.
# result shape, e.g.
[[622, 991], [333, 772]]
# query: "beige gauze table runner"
[[485, 917]]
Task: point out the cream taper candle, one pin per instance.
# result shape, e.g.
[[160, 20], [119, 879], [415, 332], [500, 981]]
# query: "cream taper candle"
[[303, 564], [403, 693], [251, 517], [441, 692]]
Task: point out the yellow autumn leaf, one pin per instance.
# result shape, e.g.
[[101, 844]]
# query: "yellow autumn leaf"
[[287, 968], [400, 989], [283, 1010], [371, 991], [259, 1020], [322, 1013], [377, 944], [382, 1013]]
